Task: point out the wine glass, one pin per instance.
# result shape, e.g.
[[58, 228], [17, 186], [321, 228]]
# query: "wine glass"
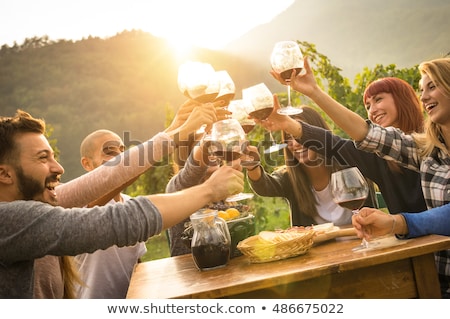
[[227, 142], [239, 110], [261, 101], [198, 81], [285, 58], [350, 190], [261, 106], [227, 89], [275, 147]]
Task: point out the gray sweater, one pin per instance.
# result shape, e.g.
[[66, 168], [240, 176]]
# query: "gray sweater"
[[190, 175], [31, 229]]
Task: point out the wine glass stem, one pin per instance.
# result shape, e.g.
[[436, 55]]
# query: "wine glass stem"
[[272, 140], [364, 242], [289, 95]]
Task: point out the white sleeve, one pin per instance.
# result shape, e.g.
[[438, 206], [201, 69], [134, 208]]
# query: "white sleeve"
[[115, 173]]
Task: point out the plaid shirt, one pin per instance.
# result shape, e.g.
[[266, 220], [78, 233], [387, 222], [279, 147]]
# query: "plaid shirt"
[[391, 143]]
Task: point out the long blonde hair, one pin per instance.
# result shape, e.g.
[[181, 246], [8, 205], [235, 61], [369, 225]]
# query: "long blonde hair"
[[438, 70], [71, 277]]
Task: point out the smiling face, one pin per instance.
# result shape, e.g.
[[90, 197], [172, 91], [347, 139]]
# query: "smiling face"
[[303, 155], [391, 101], [381, 109], [37, 173], [434, 101]]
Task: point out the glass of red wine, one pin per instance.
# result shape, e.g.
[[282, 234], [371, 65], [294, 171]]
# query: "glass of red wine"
[[198, 81], [228, 140], [350, 190], [261, 106], [227, 88], [285, 58], [239, 110]]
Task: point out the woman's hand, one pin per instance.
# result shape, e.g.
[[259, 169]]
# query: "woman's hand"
[[222, 112], [371, 222], [192, 115], [304, 82], [250, 153], [183, 114], [280, 122]]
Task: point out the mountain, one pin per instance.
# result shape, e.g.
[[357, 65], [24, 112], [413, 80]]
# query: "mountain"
[[356, 33], [126, 83]]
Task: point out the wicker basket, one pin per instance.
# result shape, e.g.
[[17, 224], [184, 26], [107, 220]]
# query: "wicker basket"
[[271, 246]]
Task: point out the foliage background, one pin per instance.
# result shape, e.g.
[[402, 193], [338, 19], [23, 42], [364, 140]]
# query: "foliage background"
[[127, 83]]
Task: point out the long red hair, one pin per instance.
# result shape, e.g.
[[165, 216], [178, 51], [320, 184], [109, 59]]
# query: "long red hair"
[[410, 115]]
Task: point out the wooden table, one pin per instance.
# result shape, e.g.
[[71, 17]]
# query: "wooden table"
[[328, 270]]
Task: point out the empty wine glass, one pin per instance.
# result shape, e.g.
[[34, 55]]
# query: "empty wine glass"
[[285, 58], [261, 101], [227, 143], [350, 190]]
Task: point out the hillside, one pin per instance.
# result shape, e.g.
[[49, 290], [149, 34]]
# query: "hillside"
[[127, 82], [357, 33], [124, 83]]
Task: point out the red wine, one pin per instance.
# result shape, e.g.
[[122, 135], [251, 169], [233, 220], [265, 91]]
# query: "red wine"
[[261, 114], [249, 163], [352, 204], [286, 75], [227, 155], [247, 127], [206, 98], [211, 255], [226, 97]]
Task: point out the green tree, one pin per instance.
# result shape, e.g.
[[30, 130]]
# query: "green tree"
[[330, 79], [273, 213]]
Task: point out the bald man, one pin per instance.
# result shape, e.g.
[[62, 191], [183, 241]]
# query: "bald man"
[[106, 273]]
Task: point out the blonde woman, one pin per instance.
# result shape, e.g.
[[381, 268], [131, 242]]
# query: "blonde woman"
[[428, 152]]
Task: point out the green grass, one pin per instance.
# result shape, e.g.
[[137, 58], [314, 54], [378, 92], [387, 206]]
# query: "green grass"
[[270, 213]]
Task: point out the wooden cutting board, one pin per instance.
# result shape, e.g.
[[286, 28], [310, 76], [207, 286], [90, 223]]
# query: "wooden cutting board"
[[334, 233]]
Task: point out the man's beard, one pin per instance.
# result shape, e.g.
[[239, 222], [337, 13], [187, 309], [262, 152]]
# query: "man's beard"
[[30, 188]]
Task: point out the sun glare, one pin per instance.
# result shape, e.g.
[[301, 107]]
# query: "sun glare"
[[204, 23], [186, 27], [180, 47], [186, 23]]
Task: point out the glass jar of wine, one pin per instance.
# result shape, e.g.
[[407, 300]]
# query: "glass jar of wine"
[[211, 240]]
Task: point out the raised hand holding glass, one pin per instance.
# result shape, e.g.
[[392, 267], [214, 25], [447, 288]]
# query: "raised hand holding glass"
[[227, 142], [261, 106], [285, 58]]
